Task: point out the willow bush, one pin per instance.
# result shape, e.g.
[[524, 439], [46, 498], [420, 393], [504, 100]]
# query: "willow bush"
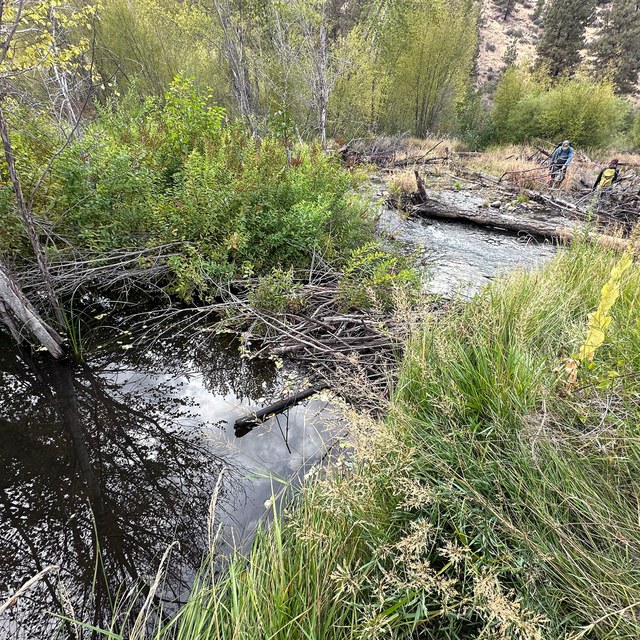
[[526, 106]]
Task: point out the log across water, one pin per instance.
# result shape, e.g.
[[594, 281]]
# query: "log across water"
[[243, 425], [546, 226]]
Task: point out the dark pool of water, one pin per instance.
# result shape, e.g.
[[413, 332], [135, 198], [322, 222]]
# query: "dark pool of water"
[[104, 464]]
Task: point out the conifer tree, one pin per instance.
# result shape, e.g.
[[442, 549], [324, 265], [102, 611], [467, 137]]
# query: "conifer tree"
[[617, 48], [563, 37], [505, 6]]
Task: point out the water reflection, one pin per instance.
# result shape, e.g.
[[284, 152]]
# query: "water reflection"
[[105, 464]]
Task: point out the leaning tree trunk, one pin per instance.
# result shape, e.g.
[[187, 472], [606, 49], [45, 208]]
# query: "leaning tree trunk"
[[20, 317], [27, 219]]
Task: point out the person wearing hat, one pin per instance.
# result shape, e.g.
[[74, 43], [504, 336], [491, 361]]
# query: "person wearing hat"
[[560, 160], [608, 176]]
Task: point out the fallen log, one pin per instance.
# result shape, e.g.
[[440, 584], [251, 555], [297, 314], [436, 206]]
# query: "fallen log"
[[434, 209], [536, 228], [543, 151], [18, 314], [519, 171], [243, 425]]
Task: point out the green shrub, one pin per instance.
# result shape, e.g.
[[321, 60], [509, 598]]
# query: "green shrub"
[[155, 172], [371, 276], [276, 292], [526, 107], [635, 131]]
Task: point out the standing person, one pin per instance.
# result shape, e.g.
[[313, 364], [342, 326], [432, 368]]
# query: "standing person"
[[608, 176], [605, 180], [560, 160]]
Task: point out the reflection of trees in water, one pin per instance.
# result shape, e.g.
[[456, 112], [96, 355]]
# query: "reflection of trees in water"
[[225, 372], [214, 357], [88, 465]]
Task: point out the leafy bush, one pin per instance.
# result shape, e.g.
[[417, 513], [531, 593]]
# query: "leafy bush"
[[371, 276], [635, 131], [526, 107], [160, 172], [276, 292]]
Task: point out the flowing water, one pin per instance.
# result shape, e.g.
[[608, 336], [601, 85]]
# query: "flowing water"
[[106, 463], [462, 258]]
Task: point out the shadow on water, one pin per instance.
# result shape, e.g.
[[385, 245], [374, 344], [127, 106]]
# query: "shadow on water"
[[105, 464]]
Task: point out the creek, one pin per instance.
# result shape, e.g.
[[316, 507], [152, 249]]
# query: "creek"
[[106, 463]]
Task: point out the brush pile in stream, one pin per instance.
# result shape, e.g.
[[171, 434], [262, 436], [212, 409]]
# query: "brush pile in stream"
[[354, 352], [308, 321], [456, 185]]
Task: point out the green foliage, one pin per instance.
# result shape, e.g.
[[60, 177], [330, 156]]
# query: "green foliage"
[[402, 65], [474, 122], [358, 98], [617, 47], [372, 275], [480, 392], [429, 62], [565, 22], [276, 292], [635, 131], [149, 42], [526, 107], [169, 171]]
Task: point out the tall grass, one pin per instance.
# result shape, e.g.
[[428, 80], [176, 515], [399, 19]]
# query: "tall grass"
[[536, 482], [496, 501]]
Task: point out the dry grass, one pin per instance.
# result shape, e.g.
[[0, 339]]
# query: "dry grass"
[[515, 162], [401, 183]]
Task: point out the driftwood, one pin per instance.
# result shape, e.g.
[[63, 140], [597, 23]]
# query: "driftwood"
[[551, 227], [119, 270], [489, 218], [543, 151], [530, 226], [245, 424]]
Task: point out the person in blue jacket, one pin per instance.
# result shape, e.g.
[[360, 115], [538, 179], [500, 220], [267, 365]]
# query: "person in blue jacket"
[[560, 160]]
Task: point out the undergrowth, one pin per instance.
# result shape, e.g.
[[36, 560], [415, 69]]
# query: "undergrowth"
[[179, 173]]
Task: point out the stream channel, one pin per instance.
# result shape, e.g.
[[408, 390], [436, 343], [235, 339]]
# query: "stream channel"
[[106, 463]]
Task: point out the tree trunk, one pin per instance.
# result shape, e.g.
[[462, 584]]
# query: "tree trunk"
[[16, 310], [323, 82], [234, 53], [27, 218]]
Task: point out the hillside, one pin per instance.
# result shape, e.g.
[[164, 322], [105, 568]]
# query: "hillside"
[[514, 38], [497, 34]]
